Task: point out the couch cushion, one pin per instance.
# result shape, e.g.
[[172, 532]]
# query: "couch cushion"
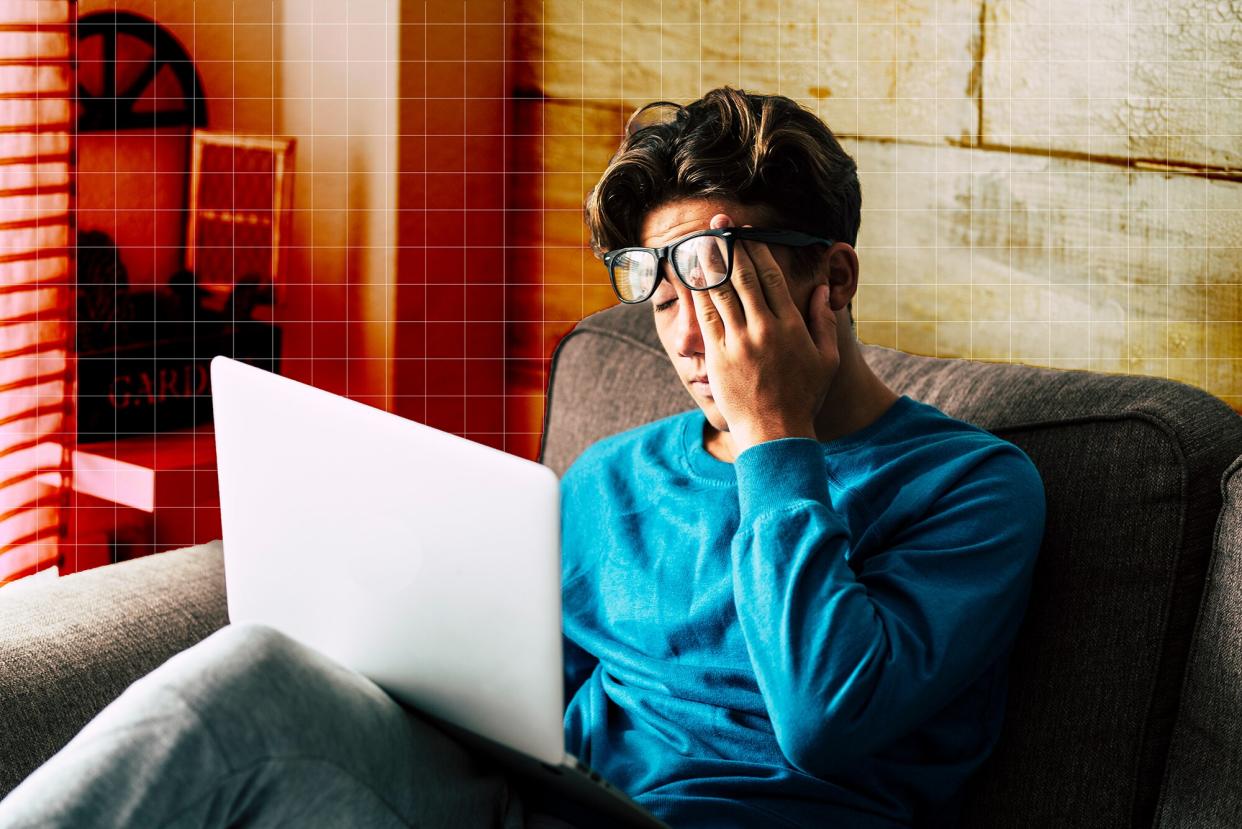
[[1131, 466], [70, 646], [1203, 787]]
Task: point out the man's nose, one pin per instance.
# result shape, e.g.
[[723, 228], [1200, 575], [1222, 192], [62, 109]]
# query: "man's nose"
[[687, 336]]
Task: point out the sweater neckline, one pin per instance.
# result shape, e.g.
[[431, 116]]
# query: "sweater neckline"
[[703, 464]]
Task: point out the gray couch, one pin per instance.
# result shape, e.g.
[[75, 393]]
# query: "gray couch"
[[1125, 705]]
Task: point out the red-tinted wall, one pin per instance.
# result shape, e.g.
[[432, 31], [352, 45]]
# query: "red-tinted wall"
[[452, 190]]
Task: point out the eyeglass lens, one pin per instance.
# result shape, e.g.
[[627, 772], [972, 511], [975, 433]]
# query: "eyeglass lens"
[[634, 273], [703, 262]]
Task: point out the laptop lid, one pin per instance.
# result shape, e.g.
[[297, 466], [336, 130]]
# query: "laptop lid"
[[424, 561]]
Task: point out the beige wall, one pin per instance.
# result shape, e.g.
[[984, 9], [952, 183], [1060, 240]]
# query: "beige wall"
[[1044, 182], [337, 96]]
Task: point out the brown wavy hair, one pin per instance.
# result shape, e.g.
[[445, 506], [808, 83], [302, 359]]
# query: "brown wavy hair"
[[758, 150]]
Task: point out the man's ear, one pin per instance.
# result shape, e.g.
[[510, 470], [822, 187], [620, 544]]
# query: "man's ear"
[[840, 270]]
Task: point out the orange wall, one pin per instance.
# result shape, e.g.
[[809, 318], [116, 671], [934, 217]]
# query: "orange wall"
[[453, 191]]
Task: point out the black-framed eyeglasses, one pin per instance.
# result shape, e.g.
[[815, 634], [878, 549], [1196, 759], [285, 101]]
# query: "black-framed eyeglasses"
[[701, 260]]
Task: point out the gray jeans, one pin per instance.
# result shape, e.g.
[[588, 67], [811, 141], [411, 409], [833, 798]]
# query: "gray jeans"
[[249, 727]]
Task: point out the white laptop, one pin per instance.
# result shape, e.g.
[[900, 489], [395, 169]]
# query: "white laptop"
[[424, 561]]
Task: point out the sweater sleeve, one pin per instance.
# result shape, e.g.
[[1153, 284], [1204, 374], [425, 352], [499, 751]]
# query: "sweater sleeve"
[[847, 664]]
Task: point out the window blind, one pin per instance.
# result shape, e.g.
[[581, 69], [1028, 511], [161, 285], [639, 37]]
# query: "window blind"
[[36, 119]]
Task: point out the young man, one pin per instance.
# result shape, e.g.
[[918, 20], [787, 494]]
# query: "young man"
[[794, 604], [790, 606]]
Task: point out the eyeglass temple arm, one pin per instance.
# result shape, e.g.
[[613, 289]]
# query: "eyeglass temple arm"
[[755, 234], [778, 236]]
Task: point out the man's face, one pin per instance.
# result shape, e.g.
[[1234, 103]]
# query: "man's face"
[[672, 304]]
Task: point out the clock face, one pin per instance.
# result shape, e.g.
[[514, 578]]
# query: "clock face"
[[133, 74]]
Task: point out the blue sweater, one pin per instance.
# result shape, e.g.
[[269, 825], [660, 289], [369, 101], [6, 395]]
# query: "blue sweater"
[[815, 635]]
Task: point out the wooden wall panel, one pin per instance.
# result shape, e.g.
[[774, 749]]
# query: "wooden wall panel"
[[965, 253], [1046, 261], [873, 69], [1135, 79], [1063, 253]]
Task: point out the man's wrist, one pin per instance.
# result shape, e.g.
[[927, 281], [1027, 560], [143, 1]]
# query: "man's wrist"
[[744, 438], [778, 473]]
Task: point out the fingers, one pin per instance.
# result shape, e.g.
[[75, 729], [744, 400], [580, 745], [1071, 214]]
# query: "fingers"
[[724, 299], [739, 292], [750, 276], [711, 325], [770, 279]]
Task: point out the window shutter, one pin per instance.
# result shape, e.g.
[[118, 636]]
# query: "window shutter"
[[36, 118]]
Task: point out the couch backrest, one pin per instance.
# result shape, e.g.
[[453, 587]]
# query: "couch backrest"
[[1203, 787], [1131, 466]]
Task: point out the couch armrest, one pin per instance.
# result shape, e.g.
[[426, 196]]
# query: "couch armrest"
[[70, 646]]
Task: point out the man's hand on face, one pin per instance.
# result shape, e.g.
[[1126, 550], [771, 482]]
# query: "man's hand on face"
[[768, 372]]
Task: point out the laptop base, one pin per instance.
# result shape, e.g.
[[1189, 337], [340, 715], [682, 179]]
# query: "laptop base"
[[571, 792]]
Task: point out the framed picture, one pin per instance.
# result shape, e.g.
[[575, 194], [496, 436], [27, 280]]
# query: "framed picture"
[[241, 191]]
